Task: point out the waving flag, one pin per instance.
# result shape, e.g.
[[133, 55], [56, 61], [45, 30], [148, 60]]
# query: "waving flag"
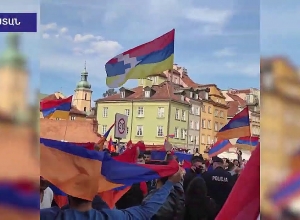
[[142, 61], [238, 126], [110, 146], [82, 173], [288, 191], [104, 137], [219, 147], [59, 108], [251, 141], [245, 194], [18, 201]]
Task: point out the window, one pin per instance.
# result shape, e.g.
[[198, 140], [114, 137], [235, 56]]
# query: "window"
[[197, 139], [85, 96], [183, 133], [221, 125], [196, 96], [183, 115], [197, 125], [127, 112], [203, 123], [127, 130], [84, 109], [176, 81], [140, 111], [105, 112], [203, 108], [155, 80], [191, 125], [191, 95], [139, 130], [142, 81], [203, 139], [191, 138], [176, 133], [209, 124], [193, 109], [161, 112], [208, 140], [122, 94], [218, 100], [177, 114], [73, 118], [197, 111], [147, 94], [221, 114], [209, 110], [57, 119], [216, 113], [104, 129], [160, 131], [216, 126]]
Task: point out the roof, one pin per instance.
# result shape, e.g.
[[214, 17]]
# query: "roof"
[[74, 131], [42, 96], [163, 91], [234, 105], [74, 109]]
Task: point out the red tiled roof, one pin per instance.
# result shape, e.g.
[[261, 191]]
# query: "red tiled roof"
[[163, 91], [188, 81], [50, 97], [235, 104]]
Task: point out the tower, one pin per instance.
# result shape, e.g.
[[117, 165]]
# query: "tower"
[[13, 79], [83, 93]]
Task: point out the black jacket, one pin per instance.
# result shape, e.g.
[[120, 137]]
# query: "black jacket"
[[97, 204], [174, 207], [132, 197], [219, 184]]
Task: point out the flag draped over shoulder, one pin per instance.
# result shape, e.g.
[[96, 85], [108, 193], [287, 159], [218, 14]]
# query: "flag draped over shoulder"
[[59, 108], [142, 61], [84, 173], [244, 199], [238, 126]]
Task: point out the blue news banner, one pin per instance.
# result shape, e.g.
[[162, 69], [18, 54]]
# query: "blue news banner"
[[18, 22]]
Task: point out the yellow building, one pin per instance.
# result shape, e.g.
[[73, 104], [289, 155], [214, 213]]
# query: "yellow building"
[[280, 125], [213, 116], [154, 112]]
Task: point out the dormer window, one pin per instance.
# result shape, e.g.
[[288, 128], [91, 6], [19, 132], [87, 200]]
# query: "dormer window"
[[182, 98], [191, 95], [196, 96], [147, 94], [206, 95], [123, 94]]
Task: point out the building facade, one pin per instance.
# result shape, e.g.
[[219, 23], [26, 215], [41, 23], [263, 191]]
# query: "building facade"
[[281, 129], [154, 112]]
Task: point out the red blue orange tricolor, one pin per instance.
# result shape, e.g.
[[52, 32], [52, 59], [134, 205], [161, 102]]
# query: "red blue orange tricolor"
[[104, 137], [238, 126], [84, 173], [251, 141], [287, 191], [59, 108], [219, 147]]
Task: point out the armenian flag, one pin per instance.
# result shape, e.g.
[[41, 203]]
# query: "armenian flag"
[[104, 137], [287, 191], [111, 147], [245, 193], [219, 147], [250, 141], [59, 108], [83, 173], [238, 126], [142, 61]]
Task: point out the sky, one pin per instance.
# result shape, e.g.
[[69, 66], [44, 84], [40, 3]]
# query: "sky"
[[217, 42]]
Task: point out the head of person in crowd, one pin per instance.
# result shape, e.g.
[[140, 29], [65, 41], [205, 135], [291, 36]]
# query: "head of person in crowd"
[[236, 162], [114, 154], [170, 156], [230, 166], [140, 159], [197, 162], [147, 156], [217, 162]]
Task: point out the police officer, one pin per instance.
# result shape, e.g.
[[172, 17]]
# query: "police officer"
[[218, 182]]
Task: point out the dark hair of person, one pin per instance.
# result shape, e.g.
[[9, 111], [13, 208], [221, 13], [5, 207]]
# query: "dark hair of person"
[[114, 154], [77, 201], [230, 166]]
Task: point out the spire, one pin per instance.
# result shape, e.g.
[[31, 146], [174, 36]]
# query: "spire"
[[84, 66], [84, 84], [12, 56]]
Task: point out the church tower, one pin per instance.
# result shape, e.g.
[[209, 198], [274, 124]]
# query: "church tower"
[[13, 79], [83, 93]]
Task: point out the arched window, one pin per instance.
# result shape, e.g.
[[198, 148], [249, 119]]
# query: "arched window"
[[85, 96], [84, 109]]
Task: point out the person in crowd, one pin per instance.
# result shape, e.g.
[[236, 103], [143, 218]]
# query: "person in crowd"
[[198, 205], [81, 209], [219, 182], [147, 156], [140, 159], [97, 204], [236, 163], [196, 170], [46, 194]]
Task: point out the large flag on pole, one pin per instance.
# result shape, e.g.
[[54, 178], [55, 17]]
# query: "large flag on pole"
[[238, 126], [59, 108], [142, 61]]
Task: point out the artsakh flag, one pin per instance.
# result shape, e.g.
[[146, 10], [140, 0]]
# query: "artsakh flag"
[[244, 200]]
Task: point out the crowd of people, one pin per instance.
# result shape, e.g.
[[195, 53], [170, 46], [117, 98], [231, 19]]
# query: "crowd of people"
[[195, 193]]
